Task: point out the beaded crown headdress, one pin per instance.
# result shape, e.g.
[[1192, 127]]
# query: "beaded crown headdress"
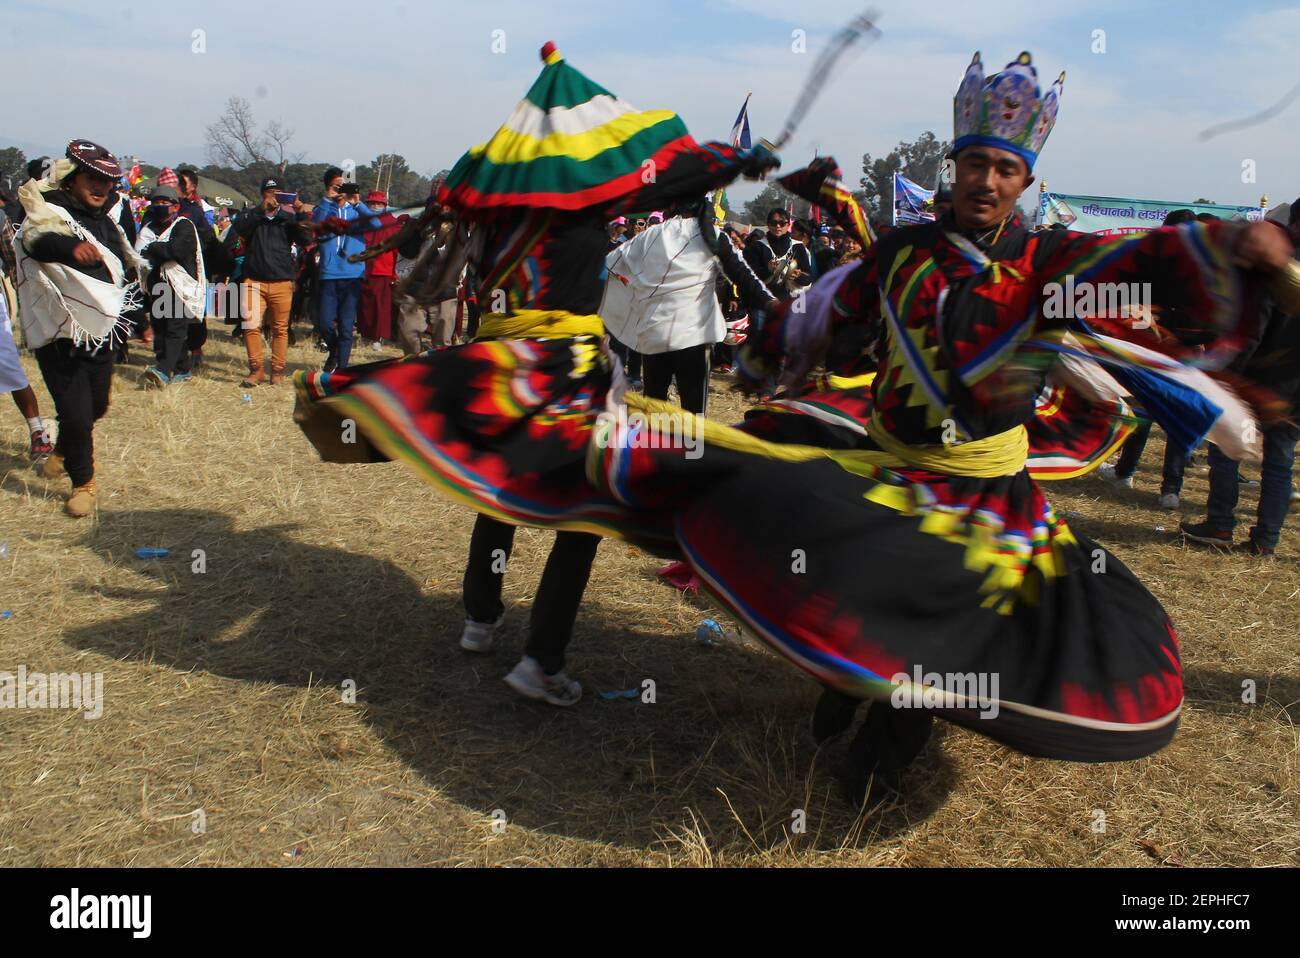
[[1006, 110]]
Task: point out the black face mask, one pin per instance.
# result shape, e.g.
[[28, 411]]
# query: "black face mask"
[[159, 214]]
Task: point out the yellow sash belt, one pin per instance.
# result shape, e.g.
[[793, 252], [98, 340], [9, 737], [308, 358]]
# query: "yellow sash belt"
[[1003, 454], [539, 324]]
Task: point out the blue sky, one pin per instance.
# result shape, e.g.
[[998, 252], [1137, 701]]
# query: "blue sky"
[[420, 79]]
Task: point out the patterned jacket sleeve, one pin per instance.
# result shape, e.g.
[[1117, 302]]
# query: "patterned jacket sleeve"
[[690, 174], [1188, 268], [820, 184]]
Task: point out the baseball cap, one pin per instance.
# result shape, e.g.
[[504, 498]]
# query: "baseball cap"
[[270, 183]]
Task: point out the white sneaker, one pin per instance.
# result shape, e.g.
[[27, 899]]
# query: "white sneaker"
[[477, 636], [528, 679], [1107, 474], [1169, 500]]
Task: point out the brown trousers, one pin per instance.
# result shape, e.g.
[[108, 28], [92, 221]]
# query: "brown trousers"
[[263, 300]]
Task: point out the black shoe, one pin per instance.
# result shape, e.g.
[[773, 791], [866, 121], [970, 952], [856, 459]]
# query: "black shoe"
[[890, 738], [1206, 534], [1252, 548], [331, 364], [878, 788], [834, 714]]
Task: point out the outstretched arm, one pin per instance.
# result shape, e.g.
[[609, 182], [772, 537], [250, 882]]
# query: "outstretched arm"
[[693, 171], [820, 183], [1214, 274]]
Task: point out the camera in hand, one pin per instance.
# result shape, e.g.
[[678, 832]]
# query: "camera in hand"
[[350, 189]]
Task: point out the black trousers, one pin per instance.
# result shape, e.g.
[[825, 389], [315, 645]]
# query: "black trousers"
[[629, 357], [80, 382], [171, 337], [558, 596], [1175, 464], [196, 335], [690, 367]]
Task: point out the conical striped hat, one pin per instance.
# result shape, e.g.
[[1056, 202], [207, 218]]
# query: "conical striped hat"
[[569, 144]]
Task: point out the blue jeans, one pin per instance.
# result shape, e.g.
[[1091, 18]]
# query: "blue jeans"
[[1274, 485], [1171, 474], [337, 316]]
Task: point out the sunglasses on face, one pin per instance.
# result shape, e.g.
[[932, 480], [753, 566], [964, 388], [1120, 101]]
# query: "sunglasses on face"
[[775, 223]]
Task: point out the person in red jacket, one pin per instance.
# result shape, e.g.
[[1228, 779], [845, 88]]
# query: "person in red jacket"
[[375, 311]]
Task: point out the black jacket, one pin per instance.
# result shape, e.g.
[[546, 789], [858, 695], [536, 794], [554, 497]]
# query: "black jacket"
[[182, 245], [761, 254], [53, 248], [267, 241]]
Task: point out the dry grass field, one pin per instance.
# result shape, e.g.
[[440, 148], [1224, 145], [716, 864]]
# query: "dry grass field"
[[222, 690]]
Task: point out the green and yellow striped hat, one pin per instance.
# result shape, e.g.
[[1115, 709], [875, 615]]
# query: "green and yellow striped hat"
[[569, 144]]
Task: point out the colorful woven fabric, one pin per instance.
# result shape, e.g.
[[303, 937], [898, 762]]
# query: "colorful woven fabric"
[[883, 569], [569, 144]]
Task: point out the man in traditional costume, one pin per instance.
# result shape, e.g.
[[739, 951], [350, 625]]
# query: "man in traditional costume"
[[76, 287], [502, 423], [926, 553]]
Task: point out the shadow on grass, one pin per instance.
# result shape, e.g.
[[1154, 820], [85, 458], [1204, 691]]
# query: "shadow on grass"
[[725, 737], [1222, 693]]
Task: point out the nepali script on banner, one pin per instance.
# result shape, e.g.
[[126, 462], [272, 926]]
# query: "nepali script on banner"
[[1111, 215], [912, 203]]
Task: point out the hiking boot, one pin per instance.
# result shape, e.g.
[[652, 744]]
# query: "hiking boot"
[[1252, 548], [51, 467], [181, 378], [41, 445], [1206, 534], [255, 377], [477, 636], [528, 679], [82, 501], [1170, 500], [154, 378], [1107, 474]]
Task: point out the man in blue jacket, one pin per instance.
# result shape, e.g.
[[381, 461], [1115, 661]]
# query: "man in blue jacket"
[[340, 281]]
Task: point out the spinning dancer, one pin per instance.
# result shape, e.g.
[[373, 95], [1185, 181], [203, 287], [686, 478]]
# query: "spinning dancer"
[[923, 545], [502, 423]]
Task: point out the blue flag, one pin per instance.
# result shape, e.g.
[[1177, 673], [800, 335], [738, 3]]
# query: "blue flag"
[[740, 130]]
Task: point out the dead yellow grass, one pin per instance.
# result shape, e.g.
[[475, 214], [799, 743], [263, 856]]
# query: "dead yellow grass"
[[223, 689]]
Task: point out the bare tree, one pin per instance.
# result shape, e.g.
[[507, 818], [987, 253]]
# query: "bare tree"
[[277, 139], [234, 139]]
